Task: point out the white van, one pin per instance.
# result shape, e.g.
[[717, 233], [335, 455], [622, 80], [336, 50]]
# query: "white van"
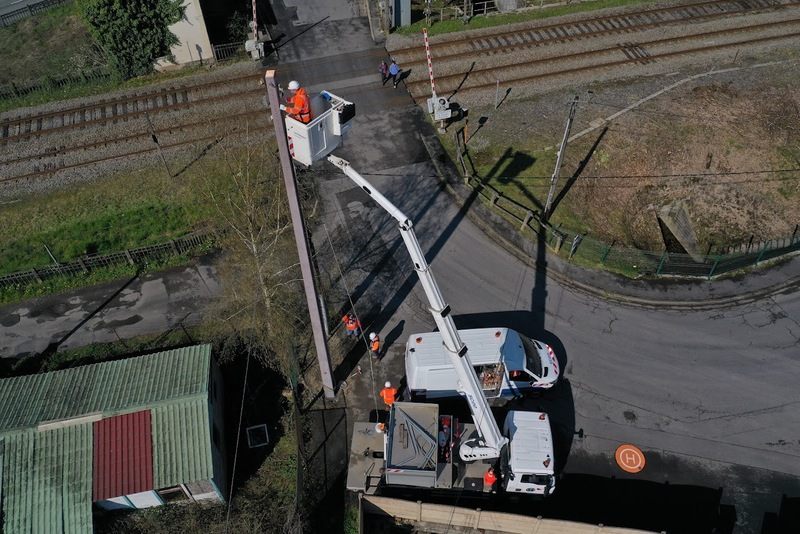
[[508, 364]]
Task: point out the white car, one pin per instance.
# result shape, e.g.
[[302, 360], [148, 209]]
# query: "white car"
[[508, 364]]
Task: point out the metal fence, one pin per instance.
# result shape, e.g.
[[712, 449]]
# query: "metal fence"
[[631, 262], [14, 90], [33, 9], [85, 264], [465, 11], [228, 51]]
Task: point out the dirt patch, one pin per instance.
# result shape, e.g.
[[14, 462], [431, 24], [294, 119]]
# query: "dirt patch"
[[728, 145]]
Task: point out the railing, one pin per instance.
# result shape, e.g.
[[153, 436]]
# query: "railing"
[[33, 9], [228, 51], [465, 11], [14, 90], [628, 261], [83, 265]]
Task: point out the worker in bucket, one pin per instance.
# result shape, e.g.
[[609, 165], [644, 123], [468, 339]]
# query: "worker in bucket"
[[300, 108], [389, 394]]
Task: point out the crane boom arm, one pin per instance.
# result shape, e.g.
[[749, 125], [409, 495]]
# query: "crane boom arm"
[[493, 440]]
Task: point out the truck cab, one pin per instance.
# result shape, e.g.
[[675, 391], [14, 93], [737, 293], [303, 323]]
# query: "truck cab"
[[527, 461], [508, 364]]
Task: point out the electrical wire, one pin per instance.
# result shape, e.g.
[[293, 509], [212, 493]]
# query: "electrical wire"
[[238, 433], [353, 307]]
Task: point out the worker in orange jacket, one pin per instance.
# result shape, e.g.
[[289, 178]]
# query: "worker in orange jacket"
[[300, 104], [352, 324], [375, 345], [389, 394]]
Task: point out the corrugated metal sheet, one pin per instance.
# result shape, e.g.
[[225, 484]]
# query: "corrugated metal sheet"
[[181, 444], [47, 474], [109, 387], [47, 480], [123, 455]]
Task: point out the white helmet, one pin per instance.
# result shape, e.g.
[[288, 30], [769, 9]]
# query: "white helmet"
[[387, 385], [372, 336], [293, 85]]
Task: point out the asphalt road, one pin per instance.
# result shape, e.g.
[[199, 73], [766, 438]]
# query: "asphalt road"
[[7, 6], [708, 392]]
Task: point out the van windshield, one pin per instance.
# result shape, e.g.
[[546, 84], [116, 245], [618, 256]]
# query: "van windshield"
[[532, 360]]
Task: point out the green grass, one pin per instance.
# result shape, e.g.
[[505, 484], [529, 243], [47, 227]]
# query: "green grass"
[[53, 43], [119, 212], [124, 210], [500, 19]]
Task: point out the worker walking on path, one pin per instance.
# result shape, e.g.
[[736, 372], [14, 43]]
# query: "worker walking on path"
[[375, 345], [389, 394], [300, 105], [394, 70], [352, 324]]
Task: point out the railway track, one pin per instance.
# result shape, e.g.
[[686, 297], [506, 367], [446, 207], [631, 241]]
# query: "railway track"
[[618, 55], [49, 161], [124, 108], [81, 136], [503, 41]]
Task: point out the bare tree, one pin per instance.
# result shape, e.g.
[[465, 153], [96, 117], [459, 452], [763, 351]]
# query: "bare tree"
[[261, 296]]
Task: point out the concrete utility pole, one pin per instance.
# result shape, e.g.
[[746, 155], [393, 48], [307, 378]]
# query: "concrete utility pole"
[[309, 282], [559, 159]]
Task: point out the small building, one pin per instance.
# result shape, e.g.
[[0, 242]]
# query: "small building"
[[130, 433], [194, 45]]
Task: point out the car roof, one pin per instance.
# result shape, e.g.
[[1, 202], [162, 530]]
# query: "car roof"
[[530, 441], [483, 344]]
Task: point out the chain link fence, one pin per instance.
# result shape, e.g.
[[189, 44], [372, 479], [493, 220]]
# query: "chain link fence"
[[585, 250], [85, 264]]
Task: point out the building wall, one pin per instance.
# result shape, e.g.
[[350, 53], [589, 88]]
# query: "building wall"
[[218, 433], [194, 45]]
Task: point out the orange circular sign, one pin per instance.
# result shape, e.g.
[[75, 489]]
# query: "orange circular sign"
[[629, 458]]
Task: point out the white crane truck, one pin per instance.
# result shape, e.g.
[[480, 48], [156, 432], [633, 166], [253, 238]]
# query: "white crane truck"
[[508, 364], [420, 447], [416, 447]]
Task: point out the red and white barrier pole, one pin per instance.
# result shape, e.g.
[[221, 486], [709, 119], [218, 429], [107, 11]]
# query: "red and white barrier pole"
[[430, 63], [255, 22]]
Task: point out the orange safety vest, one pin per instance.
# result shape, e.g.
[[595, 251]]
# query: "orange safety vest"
[[376, 344], [351, 323], [388, 395], [301, 109]]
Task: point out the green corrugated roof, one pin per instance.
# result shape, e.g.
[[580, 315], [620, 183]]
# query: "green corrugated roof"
[[48, 480], [120, 386], [47, 474], [181, 443]]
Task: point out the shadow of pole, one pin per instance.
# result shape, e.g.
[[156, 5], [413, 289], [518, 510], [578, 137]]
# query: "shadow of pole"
[[463, 80], [579, 171]]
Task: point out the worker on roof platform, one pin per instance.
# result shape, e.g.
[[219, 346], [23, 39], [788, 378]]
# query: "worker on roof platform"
[[300, 108]]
